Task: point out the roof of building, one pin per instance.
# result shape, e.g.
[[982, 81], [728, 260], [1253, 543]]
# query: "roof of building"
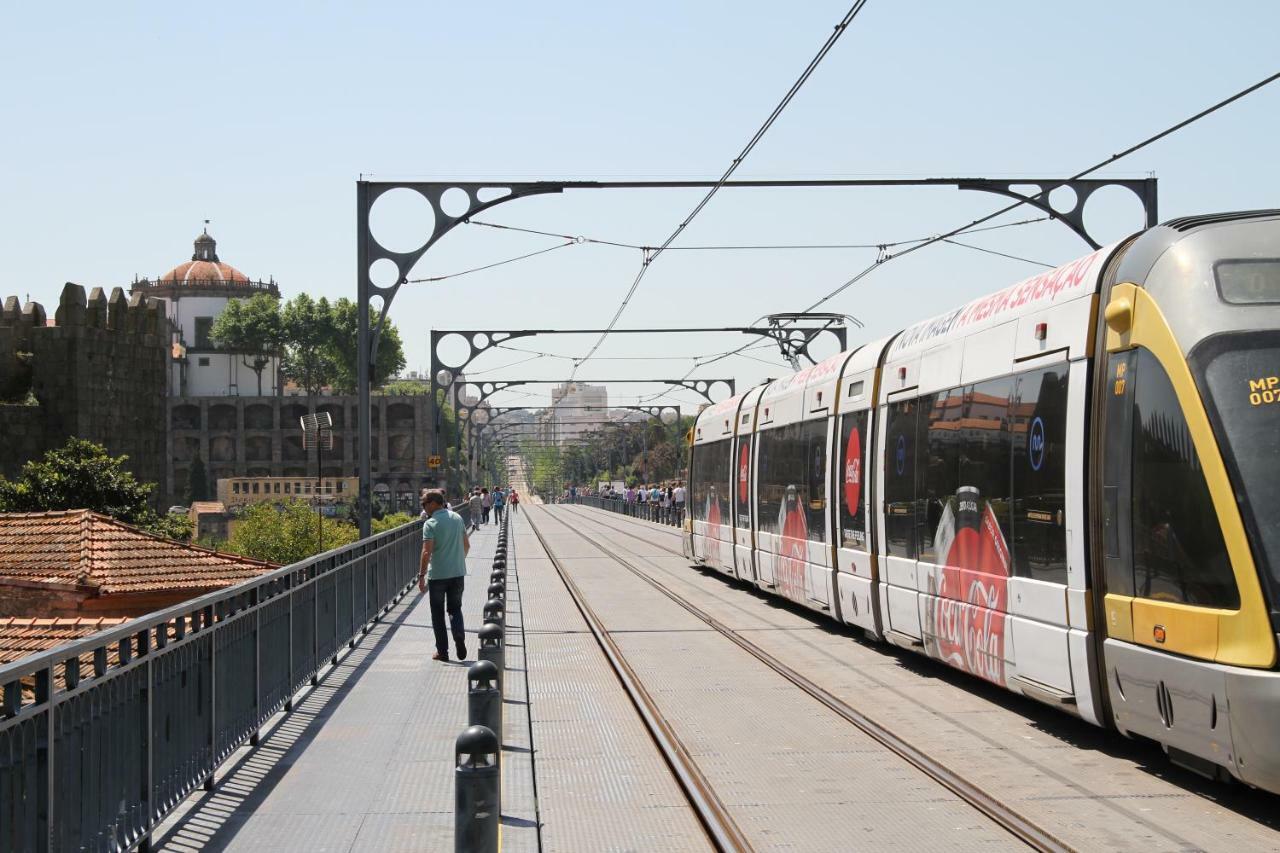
[[204, 507], [86, 549], [22, 636]]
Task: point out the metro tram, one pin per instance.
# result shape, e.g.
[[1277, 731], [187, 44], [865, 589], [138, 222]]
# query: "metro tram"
[[1069, 488]]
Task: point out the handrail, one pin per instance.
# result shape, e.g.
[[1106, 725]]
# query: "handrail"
[[97, 760]]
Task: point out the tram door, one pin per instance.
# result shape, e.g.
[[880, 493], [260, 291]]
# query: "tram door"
[[1168, 576]]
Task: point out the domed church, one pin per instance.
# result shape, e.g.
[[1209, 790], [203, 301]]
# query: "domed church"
[[195, 293]]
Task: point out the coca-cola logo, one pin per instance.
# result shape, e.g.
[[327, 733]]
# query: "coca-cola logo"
[[853, 470], [744, 457]]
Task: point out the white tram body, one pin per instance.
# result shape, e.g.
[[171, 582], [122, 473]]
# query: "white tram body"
[[1061, 487]]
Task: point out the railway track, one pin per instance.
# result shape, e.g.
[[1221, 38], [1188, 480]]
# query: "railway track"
[[711, 811]]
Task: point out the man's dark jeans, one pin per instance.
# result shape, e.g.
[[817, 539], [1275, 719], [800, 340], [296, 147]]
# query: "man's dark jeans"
[[446, 594]]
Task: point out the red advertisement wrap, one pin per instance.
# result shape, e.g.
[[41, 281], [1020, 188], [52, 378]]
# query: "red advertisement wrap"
[[853, 471], [970, 609], [744, 472], [793, 547]]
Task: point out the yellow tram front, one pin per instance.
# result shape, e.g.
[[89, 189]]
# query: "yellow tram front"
[[1186, 462]]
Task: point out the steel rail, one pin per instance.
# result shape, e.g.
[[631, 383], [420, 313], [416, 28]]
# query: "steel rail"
[[1017, 824], [711, 811]]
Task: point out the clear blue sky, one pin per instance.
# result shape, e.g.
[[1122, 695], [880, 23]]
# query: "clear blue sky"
[[126, 125]]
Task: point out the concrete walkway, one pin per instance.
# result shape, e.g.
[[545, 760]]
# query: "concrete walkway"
[[365, 761]]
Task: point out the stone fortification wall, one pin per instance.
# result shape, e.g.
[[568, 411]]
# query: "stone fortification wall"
[[98, 372], [261, 437]]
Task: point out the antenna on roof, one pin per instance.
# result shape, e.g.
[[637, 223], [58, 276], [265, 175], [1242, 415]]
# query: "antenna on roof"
[[206, 226]]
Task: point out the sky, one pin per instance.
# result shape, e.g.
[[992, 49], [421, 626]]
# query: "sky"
[[127, 125]]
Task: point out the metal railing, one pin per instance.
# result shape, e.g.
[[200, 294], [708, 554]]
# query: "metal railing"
[[95, 760], [657, 513]]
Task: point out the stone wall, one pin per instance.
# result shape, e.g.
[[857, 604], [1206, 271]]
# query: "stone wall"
[[261, 437], [99, 372]]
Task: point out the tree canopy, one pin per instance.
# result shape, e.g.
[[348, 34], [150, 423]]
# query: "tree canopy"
[[254, 328], [286, 533], [82, 475], [320, 345]]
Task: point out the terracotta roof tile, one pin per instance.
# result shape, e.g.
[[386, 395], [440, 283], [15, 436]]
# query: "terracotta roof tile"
[[21, 636], [83, 548]]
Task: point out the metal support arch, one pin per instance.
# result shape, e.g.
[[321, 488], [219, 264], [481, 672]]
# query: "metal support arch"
[[481, 196]]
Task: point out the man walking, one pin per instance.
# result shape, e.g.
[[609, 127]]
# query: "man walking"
[[499, 501], [476, 506], [486, 502], [442, 571]]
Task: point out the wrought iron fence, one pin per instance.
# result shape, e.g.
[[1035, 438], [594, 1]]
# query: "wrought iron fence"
[[672, 515], [102, 737]]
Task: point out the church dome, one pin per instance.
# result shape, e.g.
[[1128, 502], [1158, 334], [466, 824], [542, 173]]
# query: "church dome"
[[205, 271], [204, 266]]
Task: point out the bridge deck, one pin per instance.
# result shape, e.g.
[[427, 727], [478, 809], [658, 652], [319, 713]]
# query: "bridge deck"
[[365, 761]]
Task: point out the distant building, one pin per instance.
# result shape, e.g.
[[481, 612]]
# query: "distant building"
[[241, 491], [80, 563], [576, 408], [209, 521], [195, 292]]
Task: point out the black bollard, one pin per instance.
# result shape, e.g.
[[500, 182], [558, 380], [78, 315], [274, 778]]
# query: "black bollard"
[[498, 576], [495, 611], [492, 649], [477, 791], [484, 699], [499, 562], [498, 590]]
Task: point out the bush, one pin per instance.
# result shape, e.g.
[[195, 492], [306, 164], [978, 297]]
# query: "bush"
[[286, 533]]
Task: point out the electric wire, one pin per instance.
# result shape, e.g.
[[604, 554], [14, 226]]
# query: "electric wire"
[[1020, 202], [526, 256], [650, 257]]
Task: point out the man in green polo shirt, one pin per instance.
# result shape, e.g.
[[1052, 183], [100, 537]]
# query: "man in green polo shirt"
[[442, 571]]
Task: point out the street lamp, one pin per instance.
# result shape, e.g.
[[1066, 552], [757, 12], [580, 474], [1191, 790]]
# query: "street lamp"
[[317, 432]]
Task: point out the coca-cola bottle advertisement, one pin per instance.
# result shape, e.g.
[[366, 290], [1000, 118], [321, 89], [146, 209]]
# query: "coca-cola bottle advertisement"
[[966, 625], [793, 546]]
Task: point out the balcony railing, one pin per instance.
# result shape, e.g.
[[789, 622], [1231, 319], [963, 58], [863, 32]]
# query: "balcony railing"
[[101, 738]]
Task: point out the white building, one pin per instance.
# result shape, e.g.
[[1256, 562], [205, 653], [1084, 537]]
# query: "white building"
[[195, 293], [576, 408]]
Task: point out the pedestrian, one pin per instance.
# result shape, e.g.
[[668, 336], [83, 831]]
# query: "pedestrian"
[[475, 504], [486, 504], [678, 498], [515, 500], [499, 503], [442, 571]]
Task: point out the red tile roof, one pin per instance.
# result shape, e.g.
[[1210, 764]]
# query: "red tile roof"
[[20, 636], [89, 550]]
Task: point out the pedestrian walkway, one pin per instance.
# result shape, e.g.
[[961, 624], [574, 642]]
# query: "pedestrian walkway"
[[365, 760]]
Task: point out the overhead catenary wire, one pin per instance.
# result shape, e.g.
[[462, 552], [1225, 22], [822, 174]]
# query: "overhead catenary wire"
[[650, 257], [1156, 137]]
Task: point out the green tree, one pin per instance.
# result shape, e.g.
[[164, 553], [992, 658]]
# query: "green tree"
[[405, 388], [197, 483], [390, 521], [308, 335], [254, 328], [343, 349], [287, 533], [81, 475]]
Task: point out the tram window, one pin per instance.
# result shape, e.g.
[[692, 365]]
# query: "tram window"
[[1117, 443], [940, 425], [1178, 551], [1248, 281], [900, 479], [711, 482], [790, 484], [1242, 371], [1039, 475], [851, 494]]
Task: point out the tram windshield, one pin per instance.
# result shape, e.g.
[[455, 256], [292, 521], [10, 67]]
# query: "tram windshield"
[[1242, 373]]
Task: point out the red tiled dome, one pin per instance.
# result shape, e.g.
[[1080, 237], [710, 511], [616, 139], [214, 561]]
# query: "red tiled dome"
[[203, 271], [204, 266]]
